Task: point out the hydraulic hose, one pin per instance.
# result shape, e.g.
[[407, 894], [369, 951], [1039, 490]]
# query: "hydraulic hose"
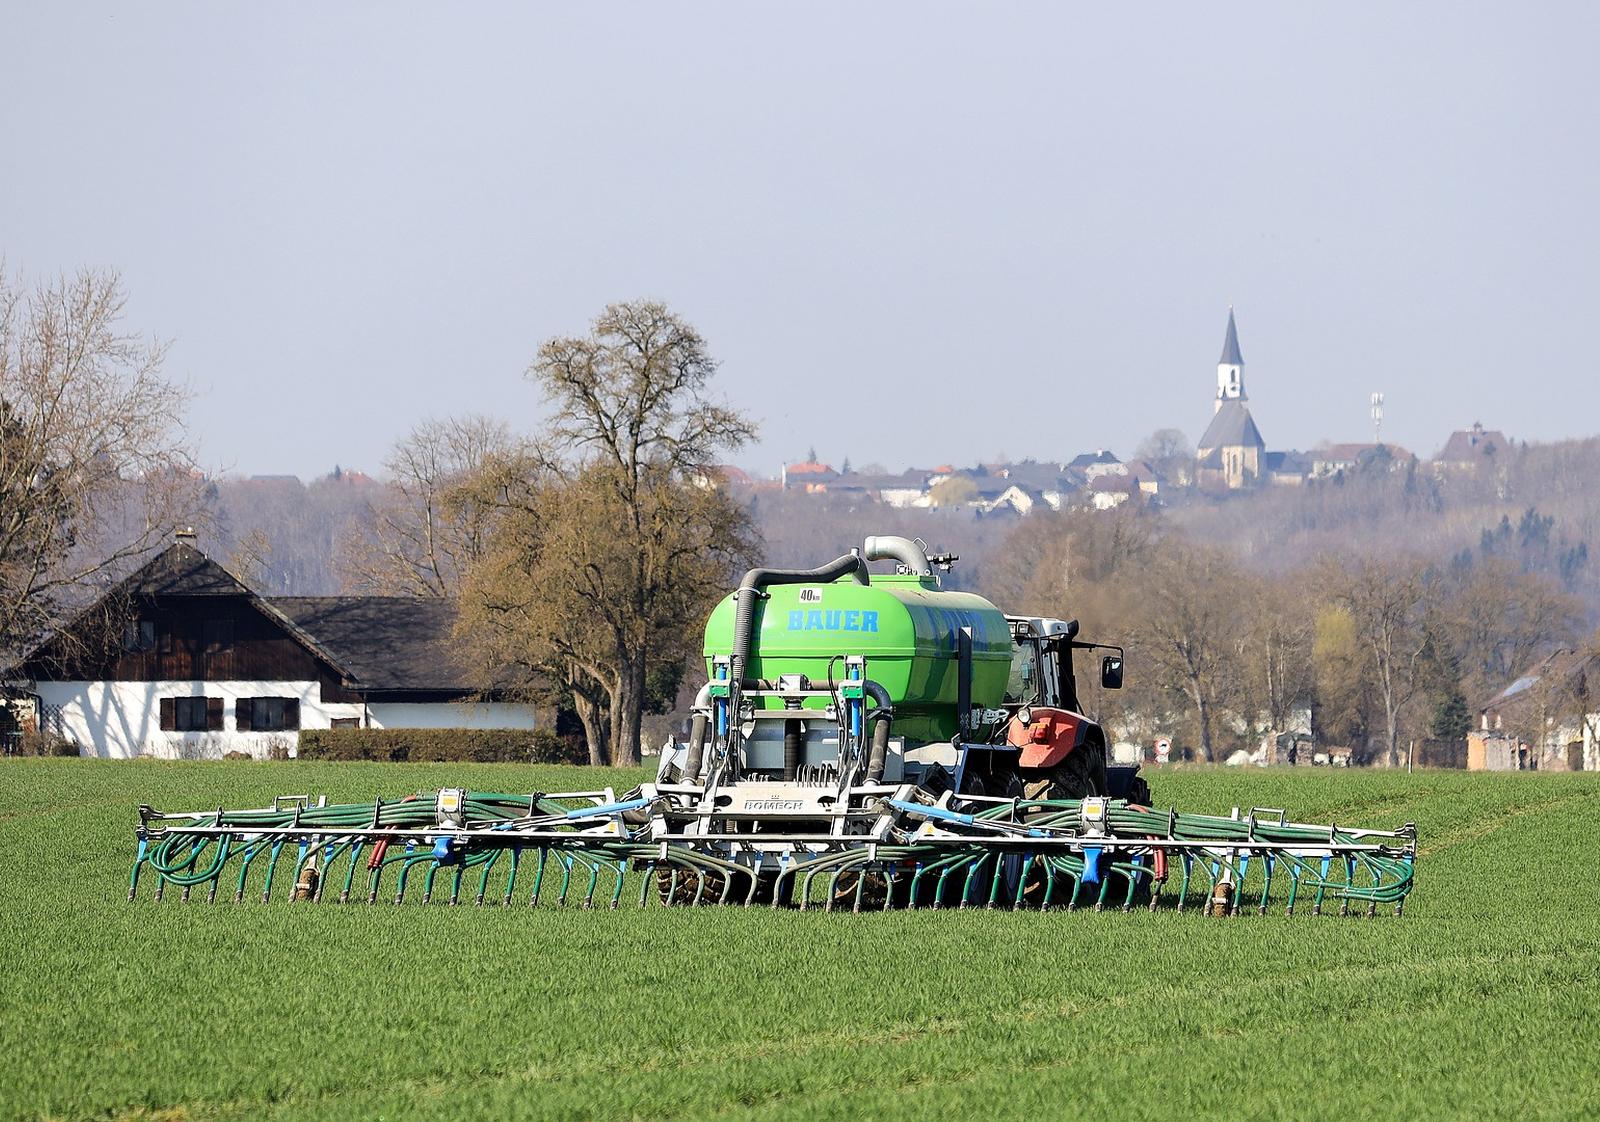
[[697, 747], [793, 743], [880, 750]]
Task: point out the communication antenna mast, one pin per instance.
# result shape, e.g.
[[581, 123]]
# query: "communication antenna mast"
[[1377, 418]]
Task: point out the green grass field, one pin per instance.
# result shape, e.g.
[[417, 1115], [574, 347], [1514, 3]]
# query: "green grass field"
[[1481, 1001]]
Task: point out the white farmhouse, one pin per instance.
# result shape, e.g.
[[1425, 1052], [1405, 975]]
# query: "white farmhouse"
[[206, 666]]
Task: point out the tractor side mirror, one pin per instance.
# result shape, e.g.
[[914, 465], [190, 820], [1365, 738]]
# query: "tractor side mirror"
[[1111, 672]]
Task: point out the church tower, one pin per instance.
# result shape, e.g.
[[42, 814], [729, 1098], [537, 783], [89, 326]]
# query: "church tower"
[[1231, 451], [1230, 368]]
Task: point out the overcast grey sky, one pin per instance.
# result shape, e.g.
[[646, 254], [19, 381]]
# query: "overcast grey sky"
[[912, 233]]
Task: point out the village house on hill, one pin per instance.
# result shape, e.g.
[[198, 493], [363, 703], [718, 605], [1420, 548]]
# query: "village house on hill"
[[206, 666], [810, 476], [1470, 448], [1333, 459], [1548, 718], [903, 489]]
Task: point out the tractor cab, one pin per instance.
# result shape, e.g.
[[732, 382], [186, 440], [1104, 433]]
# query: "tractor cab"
[[1062, 750], [1042, 672]]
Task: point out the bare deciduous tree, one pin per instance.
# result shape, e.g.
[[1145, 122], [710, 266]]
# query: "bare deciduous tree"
[[432, 524], [1187, 630], [95, 471], [605, 564], [1499, 619], [1170, 453], [1276, 643], [1385, 602], [251, 561], [1340, 671]]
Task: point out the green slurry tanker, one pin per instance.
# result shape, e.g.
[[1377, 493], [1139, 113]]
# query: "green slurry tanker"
[[863, 740]]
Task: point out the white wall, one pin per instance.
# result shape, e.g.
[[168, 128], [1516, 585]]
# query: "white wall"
[[451, 715], [120, 720], [123, 719]]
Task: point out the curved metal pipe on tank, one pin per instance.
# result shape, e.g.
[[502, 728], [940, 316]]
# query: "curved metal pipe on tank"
[[892, 547], [749, 591], [881, 696]]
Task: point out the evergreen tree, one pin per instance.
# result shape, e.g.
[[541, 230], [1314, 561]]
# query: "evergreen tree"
[[1451, 720]]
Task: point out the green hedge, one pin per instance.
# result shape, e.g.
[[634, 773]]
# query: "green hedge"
[[521, 746]]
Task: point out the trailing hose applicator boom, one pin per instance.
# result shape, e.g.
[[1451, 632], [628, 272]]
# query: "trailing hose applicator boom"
[[861, 741]]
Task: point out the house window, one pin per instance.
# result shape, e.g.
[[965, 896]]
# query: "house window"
[[191, 714], [267, 714], [139, 635], [345, 723]]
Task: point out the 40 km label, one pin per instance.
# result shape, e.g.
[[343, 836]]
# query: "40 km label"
[[811, 596]]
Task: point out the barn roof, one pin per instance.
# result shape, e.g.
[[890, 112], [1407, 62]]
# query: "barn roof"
[[182, 570], [374, 643], [383, 642]]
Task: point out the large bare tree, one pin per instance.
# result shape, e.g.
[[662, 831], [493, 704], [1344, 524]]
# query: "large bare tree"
[[1276, 640], [552, 604], [95, 469], [610, 549]]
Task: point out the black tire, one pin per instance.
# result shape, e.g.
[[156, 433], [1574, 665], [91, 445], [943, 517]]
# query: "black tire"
[[1079, 776]]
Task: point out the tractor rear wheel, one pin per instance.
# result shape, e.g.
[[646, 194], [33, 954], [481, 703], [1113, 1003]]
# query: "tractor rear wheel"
[[1072, 778]]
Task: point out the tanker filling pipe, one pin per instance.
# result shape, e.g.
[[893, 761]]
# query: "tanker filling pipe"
[[907, 553], [750, 591]]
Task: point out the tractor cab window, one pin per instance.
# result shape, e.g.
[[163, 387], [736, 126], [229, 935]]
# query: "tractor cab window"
[[1023, 685]]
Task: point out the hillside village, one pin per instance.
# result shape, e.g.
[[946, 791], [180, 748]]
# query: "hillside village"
[[1231, 456]]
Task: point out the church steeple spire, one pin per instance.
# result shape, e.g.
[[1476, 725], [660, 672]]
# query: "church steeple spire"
[[1230, 367], [1230, 344]]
